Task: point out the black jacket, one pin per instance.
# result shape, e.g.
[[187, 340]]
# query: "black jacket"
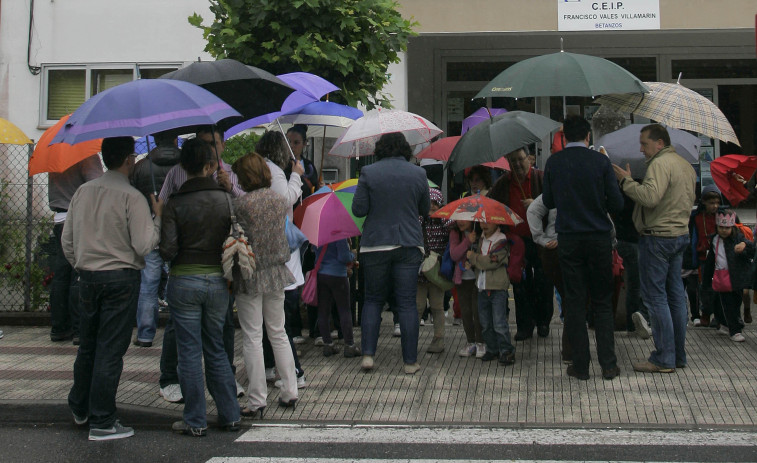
[[163, 159], [196, 222], [740, 266]]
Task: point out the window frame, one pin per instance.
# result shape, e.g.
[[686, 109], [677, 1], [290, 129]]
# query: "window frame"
[[135, 67]]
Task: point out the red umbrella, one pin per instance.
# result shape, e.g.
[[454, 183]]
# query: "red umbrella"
[[60, 156], [439, 150], [723, 170], [477, 208]]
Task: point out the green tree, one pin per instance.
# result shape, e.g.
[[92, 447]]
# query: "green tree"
[[348, 42]]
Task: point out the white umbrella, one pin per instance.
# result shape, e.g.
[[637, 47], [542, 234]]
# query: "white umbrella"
[[361, 137]]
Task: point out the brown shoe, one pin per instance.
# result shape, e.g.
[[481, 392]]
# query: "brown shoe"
[[436, 346], [648, 367]]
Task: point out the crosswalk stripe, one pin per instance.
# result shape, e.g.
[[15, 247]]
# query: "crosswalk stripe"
[[395, 460], [401, 434]]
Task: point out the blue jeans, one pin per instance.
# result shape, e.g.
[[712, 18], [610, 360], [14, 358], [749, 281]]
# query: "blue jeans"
[[397, 268], [198, 308], [147, 308], [662, 292], [108, 302], [492, 314]]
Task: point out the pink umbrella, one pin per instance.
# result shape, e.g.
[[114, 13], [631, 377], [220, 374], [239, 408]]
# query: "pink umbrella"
[[480, 115], [329, 218]]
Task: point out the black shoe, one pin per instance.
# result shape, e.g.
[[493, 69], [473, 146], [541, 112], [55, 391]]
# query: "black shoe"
[[286, 404], [522, 336], [231, 427], [329, 350], [610, 373], [252, 414], [139, 343], [543, 331], [489, 356], [571, 371], [506, 358], [76, 340], [63, 336]]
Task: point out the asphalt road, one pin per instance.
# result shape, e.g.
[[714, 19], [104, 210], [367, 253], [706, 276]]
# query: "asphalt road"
[[46, 433]]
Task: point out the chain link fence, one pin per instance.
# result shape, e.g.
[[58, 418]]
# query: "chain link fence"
[[26, 233]]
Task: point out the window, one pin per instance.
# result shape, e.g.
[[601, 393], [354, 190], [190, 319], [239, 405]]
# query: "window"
[[66, 87]]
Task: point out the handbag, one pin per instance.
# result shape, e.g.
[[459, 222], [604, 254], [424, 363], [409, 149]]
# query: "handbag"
[[431, 270], [310, 288], [447, 267], [617, 264], [295, 237], [721, 280], [237, 257]]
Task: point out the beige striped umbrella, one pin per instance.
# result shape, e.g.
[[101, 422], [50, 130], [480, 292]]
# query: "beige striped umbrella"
[[675, 106]]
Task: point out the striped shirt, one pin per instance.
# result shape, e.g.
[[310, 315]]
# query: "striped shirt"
[[177, 176]]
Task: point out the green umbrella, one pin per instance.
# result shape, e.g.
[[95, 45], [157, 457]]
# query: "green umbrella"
[[492, 139], [562, 74]]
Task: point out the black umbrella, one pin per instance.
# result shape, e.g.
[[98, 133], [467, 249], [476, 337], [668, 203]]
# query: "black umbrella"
[[249, 90]]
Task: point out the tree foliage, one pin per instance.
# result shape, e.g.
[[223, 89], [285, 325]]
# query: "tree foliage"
[[348, 42]]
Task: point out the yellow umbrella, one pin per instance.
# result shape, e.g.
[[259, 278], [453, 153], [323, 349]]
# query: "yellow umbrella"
[[12, 135]]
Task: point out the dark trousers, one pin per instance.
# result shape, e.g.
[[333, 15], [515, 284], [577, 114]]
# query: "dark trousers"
[[691, 285], [268, 357], [64, 291], [292, 317], [108, 308], [587, 269], [169, 359], [728, 310], [334, 290], [533, 295], [629, 252]]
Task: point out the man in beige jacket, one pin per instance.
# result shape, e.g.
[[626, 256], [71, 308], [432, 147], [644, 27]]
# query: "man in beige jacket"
[[663, 204]]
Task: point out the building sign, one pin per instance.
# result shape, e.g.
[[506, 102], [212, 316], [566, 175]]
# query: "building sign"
[[591, 15]]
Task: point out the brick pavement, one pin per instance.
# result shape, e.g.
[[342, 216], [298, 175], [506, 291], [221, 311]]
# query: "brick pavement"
[[718, 388]]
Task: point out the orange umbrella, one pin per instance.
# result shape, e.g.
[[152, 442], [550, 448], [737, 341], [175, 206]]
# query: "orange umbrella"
[[60, 156]]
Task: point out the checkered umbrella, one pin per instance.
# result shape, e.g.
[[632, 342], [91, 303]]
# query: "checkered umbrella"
[[676, 106]]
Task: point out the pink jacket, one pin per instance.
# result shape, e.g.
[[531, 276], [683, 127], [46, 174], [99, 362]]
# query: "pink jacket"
[[458, 248]]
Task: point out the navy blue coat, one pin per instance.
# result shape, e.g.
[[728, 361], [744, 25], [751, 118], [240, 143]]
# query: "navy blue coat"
[[391, 194]]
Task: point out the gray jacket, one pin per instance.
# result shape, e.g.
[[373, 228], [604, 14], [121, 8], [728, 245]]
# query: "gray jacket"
[[391, 194], [62, 186]]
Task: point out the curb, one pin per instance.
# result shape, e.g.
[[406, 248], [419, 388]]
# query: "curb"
[[43, 319], [57, 412]]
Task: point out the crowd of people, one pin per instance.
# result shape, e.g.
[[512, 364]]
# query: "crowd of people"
[[582, 216]]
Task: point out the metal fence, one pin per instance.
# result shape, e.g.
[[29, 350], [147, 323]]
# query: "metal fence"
[[26, 226]]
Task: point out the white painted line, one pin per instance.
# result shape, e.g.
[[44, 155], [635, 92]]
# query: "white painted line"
[[398, 434], [368, 460]]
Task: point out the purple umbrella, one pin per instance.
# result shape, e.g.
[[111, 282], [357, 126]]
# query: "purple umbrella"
[[143, 107], [309, 84], [308, 89], [479, 116]]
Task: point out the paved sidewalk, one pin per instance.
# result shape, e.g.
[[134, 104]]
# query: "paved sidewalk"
[[718, 388]]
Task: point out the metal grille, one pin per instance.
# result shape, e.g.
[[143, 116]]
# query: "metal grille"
[[26, 227]]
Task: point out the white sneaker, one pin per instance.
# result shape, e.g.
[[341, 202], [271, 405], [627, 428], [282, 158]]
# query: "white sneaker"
[[642, 327], [298, 340], [397, 333], [301, 382], [172, 393], [724, 330], [738, 337], [270, 374], [318, 341], [334, 334], [423, 323], [240, 389], [480, 349], [468, 350], [697, 322]]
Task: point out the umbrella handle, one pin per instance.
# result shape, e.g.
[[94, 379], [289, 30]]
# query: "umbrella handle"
[[323, 149], [149, 163], [285, 139]]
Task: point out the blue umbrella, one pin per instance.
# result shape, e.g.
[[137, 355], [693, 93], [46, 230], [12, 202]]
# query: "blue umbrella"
[[143, 107], [322, 113]]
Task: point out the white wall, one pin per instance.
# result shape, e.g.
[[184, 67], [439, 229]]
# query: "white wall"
[[88, 31]]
